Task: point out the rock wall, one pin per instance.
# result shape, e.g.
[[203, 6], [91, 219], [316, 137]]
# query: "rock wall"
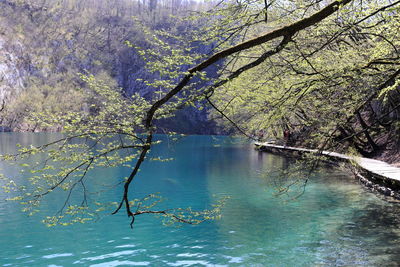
[[12, 71]]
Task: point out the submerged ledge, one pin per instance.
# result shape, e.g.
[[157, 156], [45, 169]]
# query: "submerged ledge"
[[377, 175]]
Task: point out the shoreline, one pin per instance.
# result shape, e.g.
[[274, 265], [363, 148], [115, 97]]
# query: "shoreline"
[[374, 174]]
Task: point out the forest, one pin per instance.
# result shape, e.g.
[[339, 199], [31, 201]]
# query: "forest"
[[47, 44], [334, 82]]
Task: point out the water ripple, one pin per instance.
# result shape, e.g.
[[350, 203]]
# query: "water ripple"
[[57, 255], [120, 263], [111, 255], [189, 263]]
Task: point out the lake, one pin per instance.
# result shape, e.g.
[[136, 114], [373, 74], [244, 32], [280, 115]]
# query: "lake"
[[336, 222]]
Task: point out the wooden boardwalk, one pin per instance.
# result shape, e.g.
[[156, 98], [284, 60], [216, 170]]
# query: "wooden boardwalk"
[[375, 169]]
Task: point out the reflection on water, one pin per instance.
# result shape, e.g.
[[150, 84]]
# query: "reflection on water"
[[336, 222]]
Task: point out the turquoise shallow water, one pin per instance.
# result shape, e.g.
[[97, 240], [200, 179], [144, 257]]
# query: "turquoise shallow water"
[[336, 222]]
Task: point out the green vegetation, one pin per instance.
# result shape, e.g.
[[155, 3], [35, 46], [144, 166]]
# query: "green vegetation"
[[54, 41], [334, 84], [328, 71]]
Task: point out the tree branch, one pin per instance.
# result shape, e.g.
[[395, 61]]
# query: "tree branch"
[[281, 32]]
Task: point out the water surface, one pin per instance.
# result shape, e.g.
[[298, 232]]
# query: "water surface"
[[336, 222]]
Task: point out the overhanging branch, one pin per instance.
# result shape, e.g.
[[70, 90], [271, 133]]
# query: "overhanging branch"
[[286, 31]]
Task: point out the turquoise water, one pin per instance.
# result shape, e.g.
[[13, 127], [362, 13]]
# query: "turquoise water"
[[336, 222]]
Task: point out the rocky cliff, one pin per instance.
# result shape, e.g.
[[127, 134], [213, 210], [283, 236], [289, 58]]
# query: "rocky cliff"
[[12, 71], [13, 74]]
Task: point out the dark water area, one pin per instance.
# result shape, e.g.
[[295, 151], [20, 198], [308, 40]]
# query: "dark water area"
[[336, 222]]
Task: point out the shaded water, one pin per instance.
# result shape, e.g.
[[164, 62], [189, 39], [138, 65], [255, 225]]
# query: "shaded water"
[[336, 222]]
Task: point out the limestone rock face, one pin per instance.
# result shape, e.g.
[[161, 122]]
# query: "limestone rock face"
[[12, 71]]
